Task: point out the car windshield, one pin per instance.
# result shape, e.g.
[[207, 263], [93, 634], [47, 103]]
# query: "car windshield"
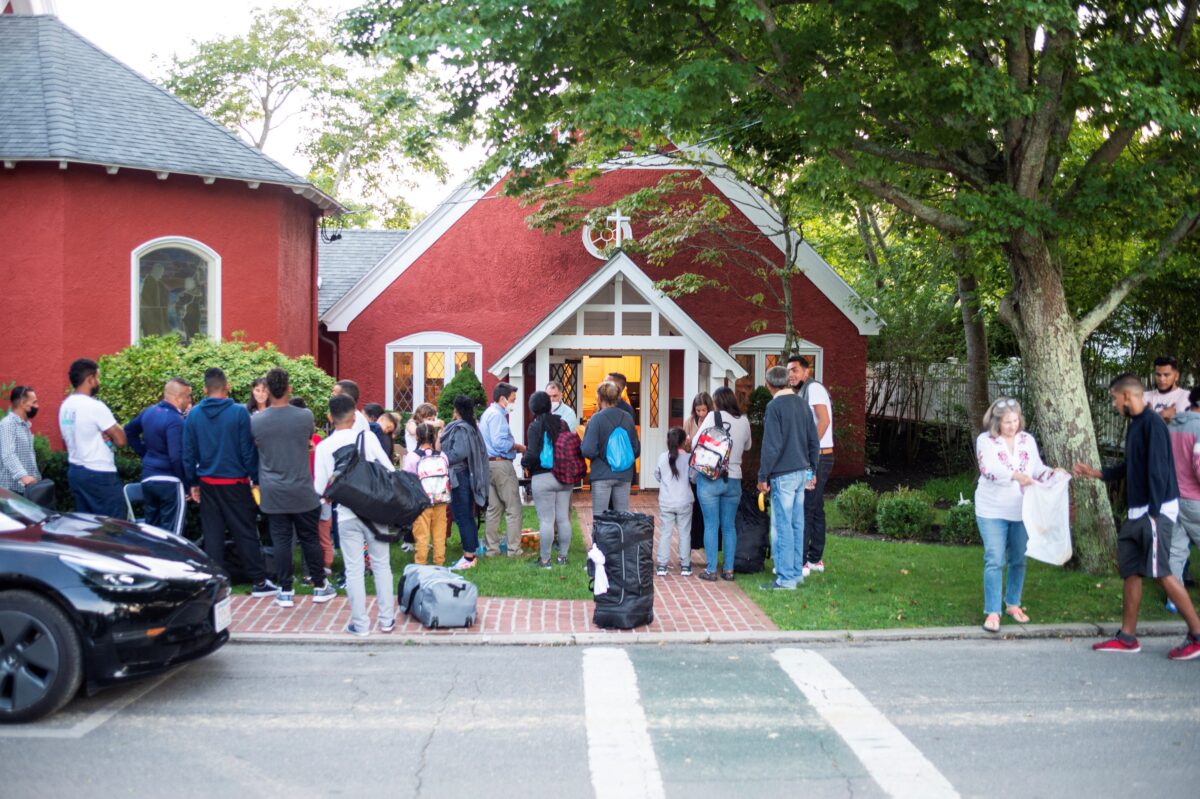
[[19, 508]]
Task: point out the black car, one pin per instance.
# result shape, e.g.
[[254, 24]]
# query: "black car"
[[90, 601]]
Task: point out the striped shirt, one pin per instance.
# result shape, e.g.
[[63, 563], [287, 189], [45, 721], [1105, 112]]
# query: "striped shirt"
[[17, 458]]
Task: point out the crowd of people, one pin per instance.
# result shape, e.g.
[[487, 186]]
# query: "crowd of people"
[[266, 459]]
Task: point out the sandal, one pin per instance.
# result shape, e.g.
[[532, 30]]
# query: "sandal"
[[727, 575], [992, 623], [1018, 614]]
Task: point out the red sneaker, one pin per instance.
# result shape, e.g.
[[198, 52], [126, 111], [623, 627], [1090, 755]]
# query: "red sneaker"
[[1189, 651], [1117, 645]]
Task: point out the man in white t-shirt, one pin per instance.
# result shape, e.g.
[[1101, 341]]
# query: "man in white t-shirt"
[[1168, 398], [90, 431], [800, 378], [354, 534]]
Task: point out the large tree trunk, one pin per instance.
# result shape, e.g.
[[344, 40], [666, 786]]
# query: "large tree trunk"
[[977, 350], [1050, 355]]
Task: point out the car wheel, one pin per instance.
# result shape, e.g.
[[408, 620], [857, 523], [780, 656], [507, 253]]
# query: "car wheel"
[[41, 664]]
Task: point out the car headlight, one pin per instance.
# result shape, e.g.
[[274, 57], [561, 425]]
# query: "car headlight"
[[110, 573]]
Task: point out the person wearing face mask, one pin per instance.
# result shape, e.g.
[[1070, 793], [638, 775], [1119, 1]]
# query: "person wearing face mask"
[[1009, 461], [90, 431], [18, 463], [504, 494], [156, 435], [1144, 540]]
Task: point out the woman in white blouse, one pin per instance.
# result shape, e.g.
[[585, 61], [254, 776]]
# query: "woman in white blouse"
[[1008, 462]]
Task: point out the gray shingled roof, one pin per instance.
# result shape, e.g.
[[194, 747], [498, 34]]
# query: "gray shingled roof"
[[342, 263], [64, 99]]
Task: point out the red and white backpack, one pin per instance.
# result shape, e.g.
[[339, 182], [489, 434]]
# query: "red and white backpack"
[[710, 456]]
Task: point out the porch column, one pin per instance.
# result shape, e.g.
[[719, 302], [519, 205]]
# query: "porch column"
[[716, 380], [516, 417], [542, 369], [691, 377]]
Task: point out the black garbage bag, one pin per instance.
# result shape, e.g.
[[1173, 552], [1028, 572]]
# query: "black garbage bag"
[[626, 540], [753, 535]]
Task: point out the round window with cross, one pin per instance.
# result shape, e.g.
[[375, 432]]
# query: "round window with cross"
[[599, 238]]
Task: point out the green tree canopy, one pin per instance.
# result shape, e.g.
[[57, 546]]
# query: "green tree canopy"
[[1016, 127]]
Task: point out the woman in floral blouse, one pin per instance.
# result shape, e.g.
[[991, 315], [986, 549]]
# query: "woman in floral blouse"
[[1008, 462]]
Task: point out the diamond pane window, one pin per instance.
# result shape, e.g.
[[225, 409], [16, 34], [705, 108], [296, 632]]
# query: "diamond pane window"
[[772, 361], [402, 381], [654, 386], [464, 358], [435, 375]]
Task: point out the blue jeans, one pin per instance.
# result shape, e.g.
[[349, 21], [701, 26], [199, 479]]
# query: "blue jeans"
[[1000, 538], [462, 508], [787, 528], [164, 504], [719, 501]]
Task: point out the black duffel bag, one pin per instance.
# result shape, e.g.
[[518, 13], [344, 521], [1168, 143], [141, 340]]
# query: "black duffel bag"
[[374, 492], [753, 534], [626, 540]]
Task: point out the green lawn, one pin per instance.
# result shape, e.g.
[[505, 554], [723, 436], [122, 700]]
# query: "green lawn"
[[875, 584]]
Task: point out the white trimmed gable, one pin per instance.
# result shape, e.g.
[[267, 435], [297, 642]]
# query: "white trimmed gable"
[[620, 307], [739, 194]]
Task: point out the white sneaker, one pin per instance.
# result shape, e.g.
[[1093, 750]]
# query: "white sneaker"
[[817, 567], [324, 593], [463, 563], [805, 570], [284, 599]]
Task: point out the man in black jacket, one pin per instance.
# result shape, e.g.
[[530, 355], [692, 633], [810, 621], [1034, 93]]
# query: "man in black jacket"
[[1144, 542]]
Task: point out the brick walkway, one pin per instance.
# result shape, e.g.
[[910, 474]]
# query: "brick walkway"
[[681, 604]]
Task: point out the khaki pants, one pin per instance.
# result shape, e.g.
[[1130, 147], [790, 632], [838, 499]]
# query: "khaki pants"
[[431, 524], [504, 498]]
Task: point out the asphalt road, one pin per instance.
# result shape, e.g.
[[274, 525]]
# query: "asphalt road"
[[972, 718]]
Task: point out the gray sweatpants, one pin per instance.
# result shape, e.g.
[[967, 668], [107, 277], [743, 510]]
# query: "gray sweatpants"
[[353, 535], [1186, 532], [604, 491], [553, 501], [668, 520]]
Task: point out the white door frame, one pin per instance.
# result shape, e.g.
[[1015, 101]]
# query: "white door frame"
[[654, 430]]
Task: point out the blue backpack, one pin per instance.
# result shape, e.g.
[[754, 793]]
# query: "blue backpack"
[[547, 457], [619, 452]]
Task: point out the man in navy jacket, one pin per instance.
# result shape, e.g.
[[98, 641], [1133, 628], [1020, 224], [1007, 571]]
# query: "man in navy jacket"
[[156, 435], [1144, 541], [219, 462]]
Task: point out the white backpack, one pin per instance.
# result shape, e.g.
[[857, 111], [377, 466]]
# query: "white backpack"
[[434, 474]]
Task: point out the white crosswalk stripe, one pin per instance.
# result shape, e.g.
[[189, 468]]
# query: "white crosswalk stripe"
[[895, 764], [620, 754]]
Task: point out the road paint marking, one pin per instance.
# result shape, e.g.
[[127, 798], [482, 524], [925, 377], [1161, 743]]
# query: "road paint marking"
[[620, 753], [93, 720], [893, 762]]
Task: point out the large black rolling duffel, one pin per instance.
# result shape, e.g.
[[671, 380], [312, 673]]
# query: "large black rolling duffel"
[[626, 540]]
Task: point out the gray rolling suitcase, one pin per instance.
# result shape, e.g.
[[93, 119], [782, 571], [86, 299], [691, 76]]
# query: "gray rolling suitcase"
[[437, 597]]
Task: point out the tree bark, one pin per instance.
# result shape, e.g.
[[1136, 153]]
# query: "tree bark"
[[1050, 356], [977, 349]]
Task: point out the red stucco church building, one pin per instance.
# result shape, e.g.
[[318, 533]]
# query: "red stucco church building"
[[473, 284], [128, 212]]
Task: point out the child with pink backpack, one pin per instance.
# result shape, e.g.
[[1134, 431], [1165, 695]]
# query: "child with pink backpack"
[[433, 469]]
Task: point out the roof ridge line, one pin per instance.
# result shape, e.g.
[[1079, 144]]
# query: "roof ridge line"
[[192, 109]]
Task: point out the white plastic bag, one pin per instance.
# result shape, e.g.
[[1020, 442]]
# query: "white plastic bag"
[[1046, 511]]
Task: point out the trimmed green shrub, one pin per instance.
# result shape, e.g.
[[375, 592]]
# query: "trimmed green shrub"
[[756, 408], [904, 514], [463, 382], [133, 378], [960, 526], [53, 465], [857, 505]]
